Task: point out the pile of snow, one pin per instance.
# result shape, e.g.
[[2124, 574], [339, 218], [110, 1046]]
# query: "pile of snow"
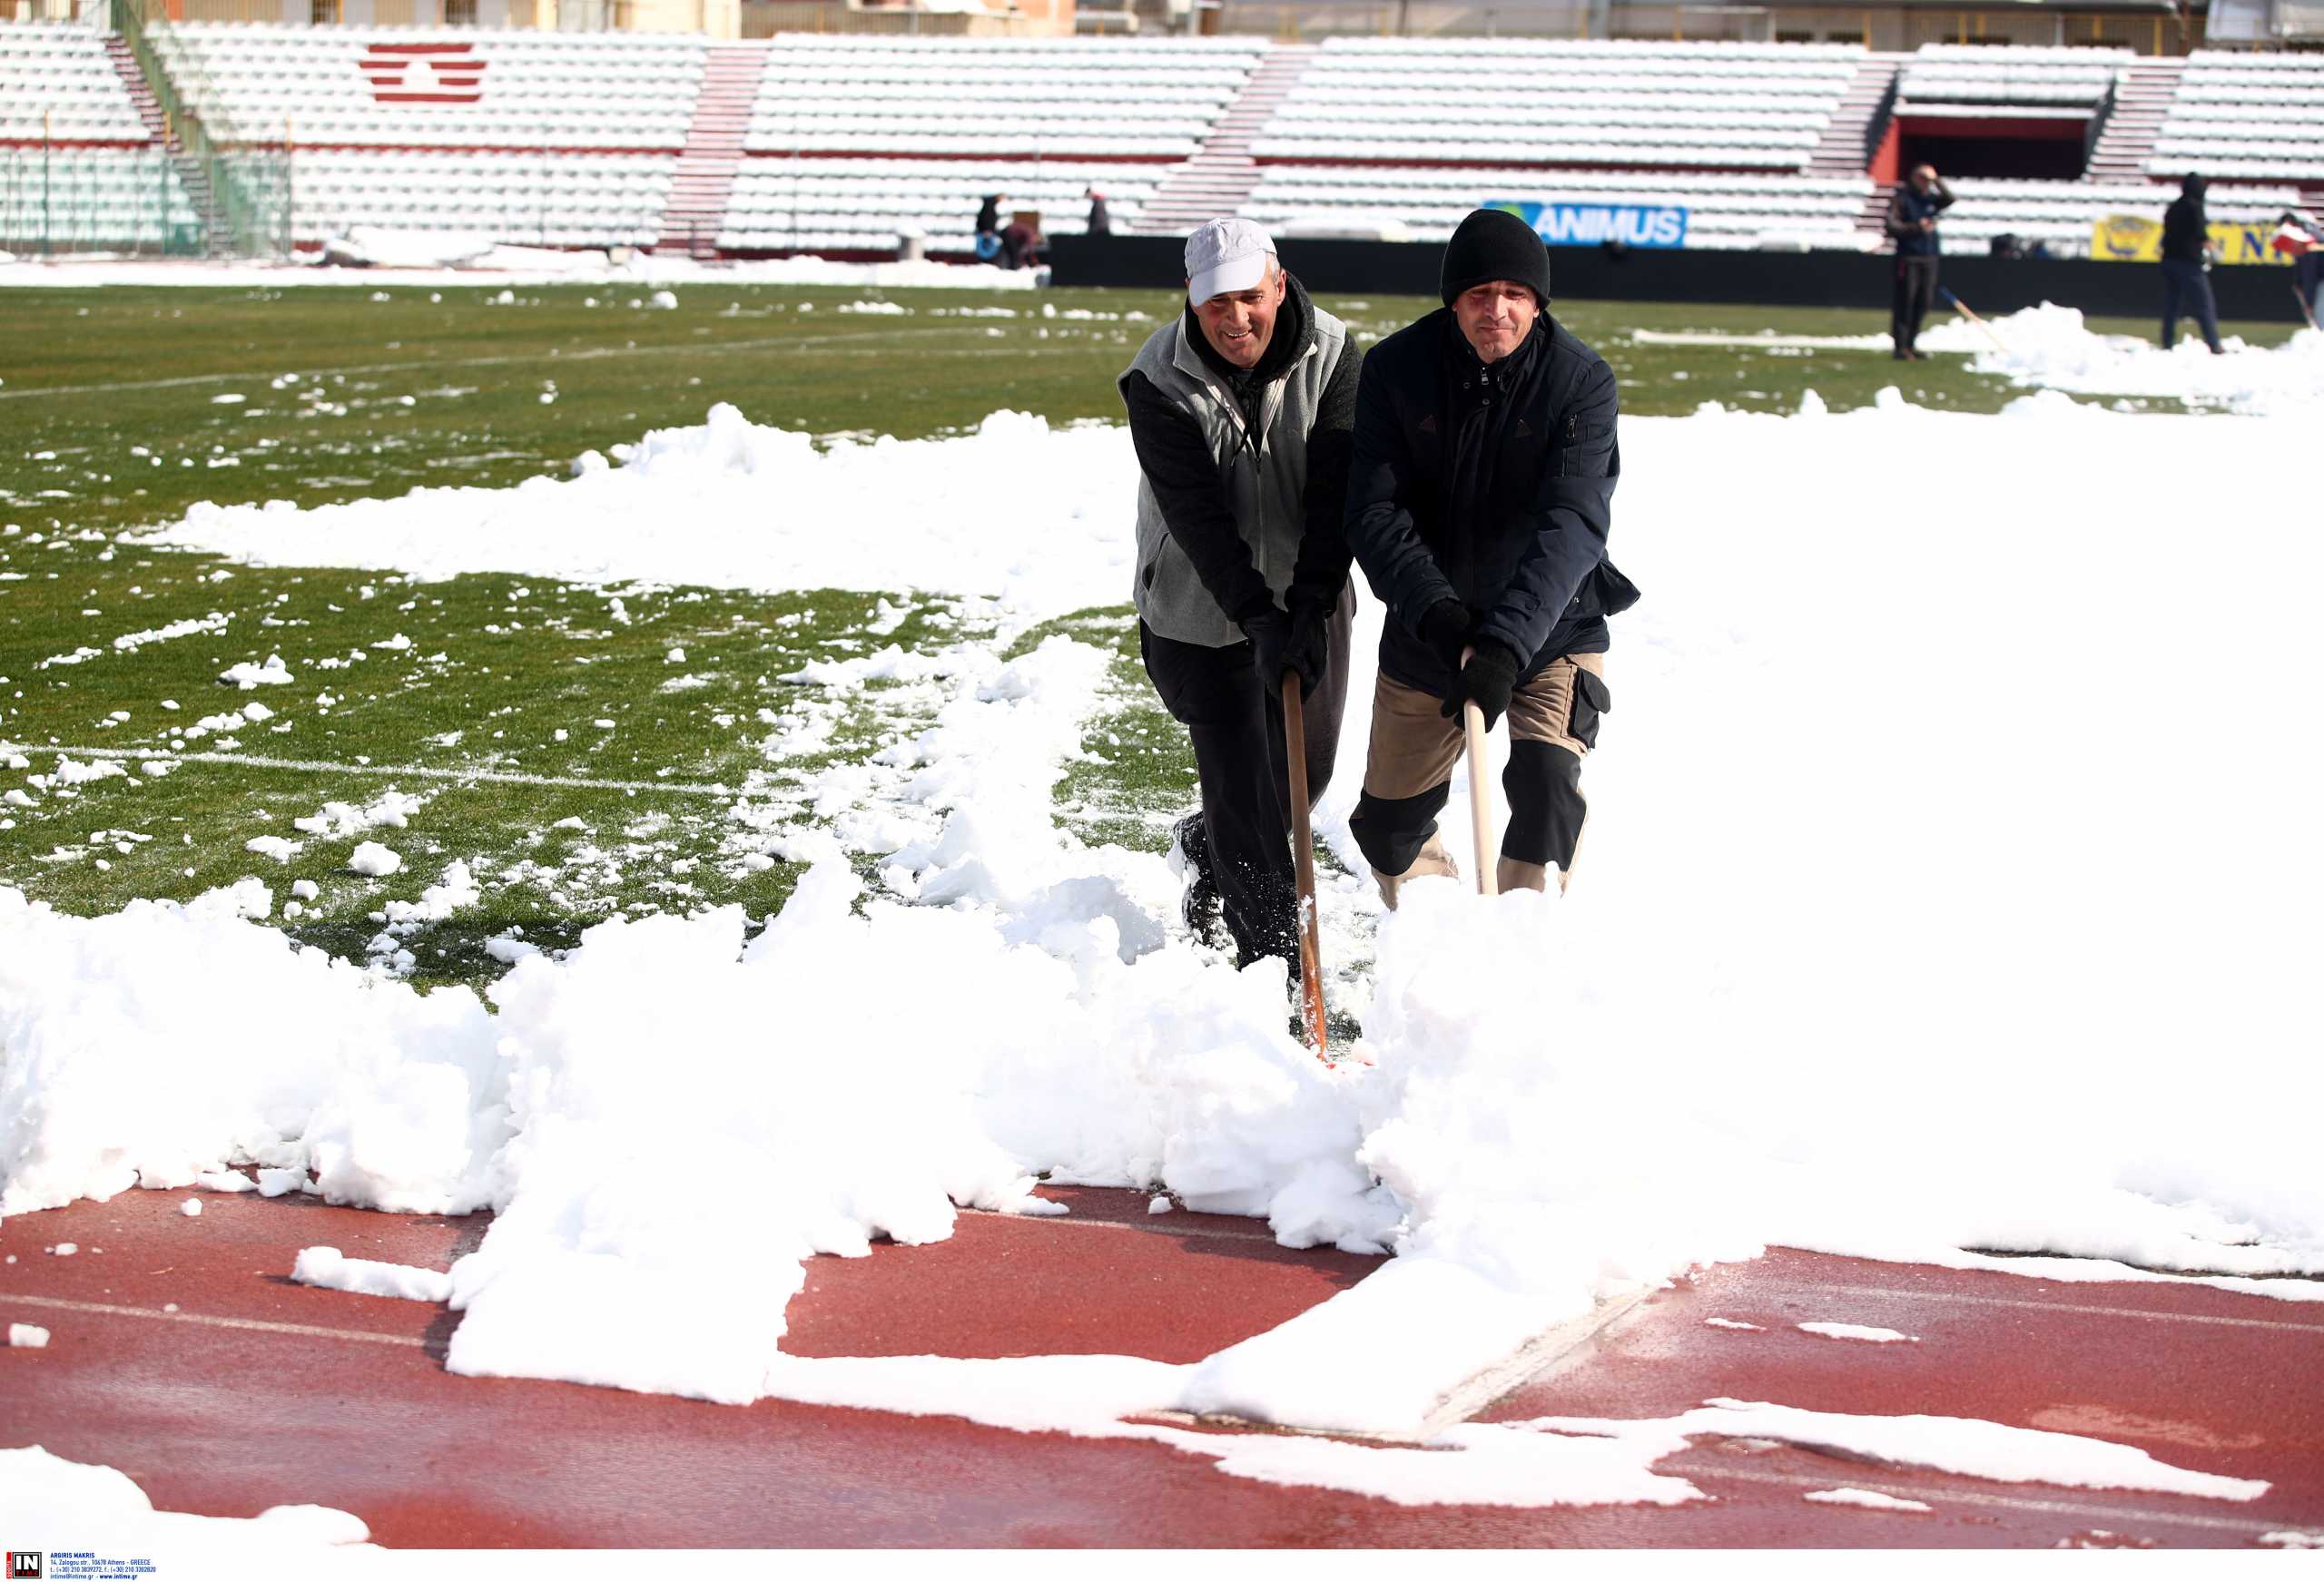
[[1923, 860], [50, 1504], [2049, 347], [1023, 513]]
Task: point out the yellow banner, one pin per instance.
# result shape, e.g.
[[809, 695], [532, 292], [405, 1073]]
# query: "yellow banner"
[[2127, 239]]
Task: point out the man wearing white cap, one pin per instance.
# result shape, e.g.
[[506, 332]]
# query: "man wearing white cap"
[[1241, 411]]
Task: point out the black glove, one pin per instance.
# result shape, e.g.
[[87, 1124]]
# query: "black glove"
[[1269, 630], [1309, 648], [1486, 681], [1444, 627]]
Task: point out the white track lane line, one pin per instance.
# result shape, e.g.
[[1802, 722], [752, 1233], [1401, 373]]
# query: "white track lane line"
[[2091, 1310], [209, 1321]]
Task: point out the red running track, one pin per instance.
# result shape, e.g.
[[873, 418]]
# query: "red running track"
[[256, 1392]]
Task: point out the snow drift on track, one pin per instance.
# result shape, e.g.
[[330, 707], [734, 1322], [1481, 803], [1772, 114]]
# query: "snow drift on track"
[[1946, 892]]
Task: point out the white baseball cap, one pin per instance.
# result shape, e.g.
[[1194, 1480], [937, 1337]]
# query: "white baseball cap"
[[1226, 255]]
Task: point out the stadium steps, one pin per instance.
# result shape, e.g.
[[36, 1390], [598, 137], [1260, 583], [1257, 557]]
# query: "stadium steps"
[[696, 210], [2142, 96], [1216, 180], [190, 175], [1858, 120]]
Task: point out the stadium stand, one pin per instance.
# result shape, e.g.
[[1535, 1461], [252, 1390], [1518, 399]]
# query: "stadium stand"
[[1024, 99], [863, 205], [1562, 101], [1975, 82], [2246, 115], [856, 140], [79, 168]]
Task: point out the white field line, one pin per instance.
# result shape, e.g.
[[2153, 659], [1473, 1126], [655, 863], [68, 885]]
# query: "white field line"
[[391, 771], [1707, 338], [587, 354]]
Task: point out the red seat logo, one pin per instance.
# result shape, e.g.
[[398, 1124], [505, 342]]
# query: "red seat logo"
[[424, 73]]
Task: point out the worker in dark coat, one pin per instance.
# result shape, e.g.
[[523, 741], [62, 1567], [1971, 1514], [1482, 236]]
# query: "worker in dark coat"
[[2186, 258], [1239, 409], [1913, 210], [1479, 507]]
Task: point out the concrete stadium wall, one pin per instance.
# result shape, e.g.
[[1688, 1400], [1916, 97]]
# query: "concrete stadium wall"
[[1776, 280]]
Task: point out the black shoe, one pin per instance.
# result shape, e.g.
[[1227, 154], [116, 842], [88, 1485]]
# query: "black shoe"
[[1190, 859]]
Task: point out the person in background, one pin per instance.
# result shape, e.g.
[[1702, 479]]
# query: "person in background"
[[1478, 507], [1021, 245], [1239, 410], [2186, 255], [1913, 210], [989, 229], [2307, 263], [1100, 223]]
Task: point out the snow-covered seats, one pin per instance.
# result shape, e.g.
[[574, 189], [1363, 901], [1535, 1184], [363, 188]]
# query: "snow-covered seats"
[[1125, 98], [1559, 102], [57, 83], [440, 87], [2236, 115], [531, 199], [1723, 211], [779, 204]]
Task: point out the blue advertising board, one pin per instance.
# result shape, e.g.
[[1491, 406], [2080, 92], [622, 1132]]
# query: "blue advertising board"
[[1590, 224]]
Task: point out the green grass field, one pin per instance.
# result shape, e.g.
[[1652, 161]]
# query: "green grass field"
[[536, 721]]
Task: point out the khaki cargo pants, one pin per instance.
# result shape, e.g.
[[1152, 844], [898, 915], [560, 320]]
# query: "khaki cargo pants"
[[1554, 720]]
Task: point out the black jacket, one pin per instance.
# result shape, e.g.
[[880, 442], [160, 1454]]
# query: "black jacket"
[[1188, 485], [1907, 207], [2185, 229], [1490, 484]]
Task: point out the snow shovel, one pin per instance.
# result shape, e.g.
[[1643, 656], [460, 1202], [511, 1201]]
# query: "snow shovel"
[[2305, 310], [1472, 726], [1958, 306], [1303, 856]]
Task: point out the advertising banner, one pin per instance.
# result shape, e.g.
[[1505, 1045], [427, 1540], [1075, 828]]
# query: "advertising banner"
[[2127, 239], [1591, 224]]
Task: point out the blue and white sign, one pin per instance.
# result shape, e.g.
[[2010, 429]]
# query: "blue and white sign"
[[1591, 224]]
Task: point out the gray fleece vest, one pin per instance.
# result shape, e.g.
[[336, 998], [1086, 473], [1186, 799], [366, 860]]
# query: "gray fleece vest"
[[1267, 491]]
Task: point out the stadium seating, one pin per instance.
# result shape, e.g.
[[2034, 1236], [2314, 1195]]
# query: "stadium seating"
[[536, 200], [79, 169], [2246, 115], [1123, 99], [57, 81], [460, 88], [1529, 101], [1975, 80], [852, 205]]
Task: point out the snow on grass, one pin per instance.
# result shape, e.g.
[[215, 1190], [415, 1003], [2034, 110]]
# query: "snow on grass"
[[1878, 947], [1022, 514]]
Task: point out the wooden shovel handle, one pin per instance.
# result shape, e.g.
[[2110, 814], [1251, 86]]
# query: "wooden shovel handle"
[[1302, 860]]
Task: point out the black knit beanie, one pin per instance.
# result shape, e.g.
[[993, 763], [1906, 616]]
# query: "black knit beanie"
[[1493, 244]]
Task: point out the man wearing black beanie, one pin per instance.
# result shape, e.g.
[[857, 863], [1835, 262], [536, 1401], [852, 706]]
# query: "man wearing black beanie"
[[1478, 507]]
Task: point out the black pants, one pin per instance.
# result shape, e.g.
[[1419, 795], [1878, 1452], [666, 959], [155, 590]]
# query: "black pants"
[[1236, 725], [1915, 293], [2184, 282], [2308, 277]]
